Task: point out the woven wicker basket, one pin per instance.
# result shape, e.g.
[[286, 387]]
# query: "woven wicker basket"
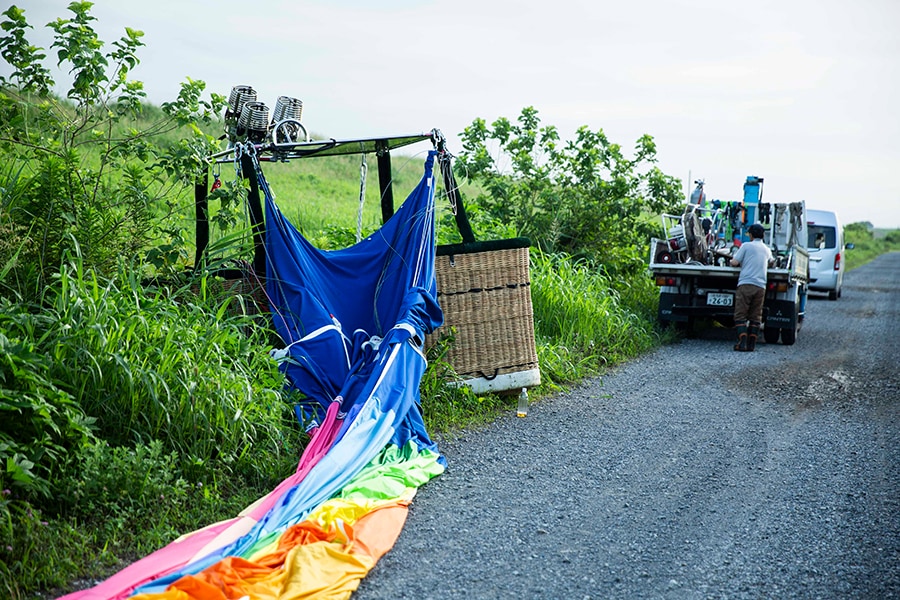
[[486, 298], [239, 283]]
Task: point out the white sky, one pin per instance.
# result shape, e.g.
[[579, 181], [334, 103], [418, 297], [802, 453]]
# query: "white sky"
[[805, 93]]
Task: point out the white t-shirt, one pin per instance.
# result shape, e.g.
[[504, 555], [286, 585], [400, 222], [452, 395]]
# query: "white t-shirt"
[[754, 258]]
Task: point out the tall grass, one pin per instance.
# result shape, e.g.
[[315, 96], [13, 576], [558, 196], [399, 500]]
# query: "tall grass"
[[584, 321], [147, 367], [129, 409]]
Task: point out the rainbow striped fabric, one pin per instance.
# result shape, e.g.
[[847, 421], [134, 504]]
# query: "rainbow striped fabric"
[[323, 528]]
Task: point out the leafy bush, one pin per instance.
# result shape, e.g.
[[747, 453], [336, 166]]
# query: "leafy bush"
[[486, 225], [139, 498], [40, 423], [121, 503], [584, 198], [79, 172], [37, 552], [121, 483]]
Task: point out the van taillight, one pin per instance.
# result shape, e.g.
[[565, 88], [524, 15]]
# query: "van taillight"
[[837, 261]]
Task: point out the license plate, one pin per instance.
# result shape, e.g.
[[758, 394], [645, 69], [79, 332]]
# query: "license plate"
[[714, 299]]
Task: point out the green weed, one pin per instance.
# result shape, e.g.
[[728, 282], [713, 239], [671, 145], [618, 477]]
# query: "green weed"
[[447, 407], [583, 320]]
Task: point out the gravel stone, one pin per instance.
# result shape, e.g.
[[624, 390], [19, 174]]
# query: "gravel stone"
[[691, 472]]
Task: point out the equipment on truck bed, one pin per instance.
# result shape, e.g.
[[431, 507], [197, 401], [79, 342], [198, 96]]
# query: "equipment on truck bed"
[[691, 265]]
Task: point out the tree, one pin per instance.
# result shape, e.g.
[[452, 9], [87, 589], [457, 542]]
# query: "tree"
[[93, 173], [583, 197], [860, 230]]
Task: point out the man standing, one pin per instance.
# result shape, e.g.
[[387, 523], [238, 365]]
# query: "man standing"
[[754, 259]]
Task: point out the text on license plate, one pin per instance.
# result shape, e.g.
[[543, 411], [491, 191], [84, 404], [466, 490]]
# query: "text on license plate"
[[714, 299]]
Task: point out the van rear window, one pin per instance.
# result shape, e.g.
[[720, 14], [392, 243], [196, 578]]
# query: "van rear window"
[[817, 234]]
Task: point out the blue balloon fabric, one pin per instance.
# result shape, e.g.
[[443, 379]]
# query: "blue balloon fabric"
[[338, 311]]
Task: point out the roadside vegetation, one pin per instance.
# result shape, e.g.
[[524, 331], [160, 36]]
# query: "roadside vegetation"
[[138, 400], [866, 245]]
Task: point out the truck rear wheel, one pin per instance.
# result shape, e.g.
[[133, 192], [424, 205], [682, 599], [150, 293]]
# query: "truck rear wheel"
[[771, 335], [686, 327], [789, 335]]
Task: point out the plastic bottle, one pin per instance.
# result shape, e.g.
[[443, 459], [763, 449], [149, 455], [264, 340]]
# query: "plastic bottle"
[[522, 409]]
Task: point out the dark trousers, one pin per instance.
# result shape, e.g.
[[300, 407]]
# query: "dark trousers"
[[748, 304]]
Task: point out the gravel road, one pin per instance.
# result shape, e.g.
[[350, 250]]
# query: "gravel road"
[[692, 472]]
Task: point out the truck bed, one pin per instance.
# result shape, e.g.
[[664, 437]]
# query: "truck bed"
[[711, 271], [799, 270]]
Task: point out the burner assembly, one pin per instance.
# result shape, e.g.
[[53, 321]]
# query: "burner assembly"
[[247, 119]]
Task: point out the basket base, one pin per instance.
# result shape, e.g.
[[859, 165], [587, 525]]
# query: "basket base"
[[502, 383]]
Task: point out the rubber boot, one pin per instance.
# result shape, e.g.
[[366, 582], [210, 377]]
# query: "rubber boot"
[[752, 334], [741, 345]]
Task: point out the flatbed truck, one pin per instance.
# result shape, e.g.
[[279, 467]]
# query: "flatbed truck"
[[692, 268]]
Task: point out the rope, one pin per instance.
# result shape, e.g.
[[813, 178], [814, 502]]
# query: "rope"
[[269, 196], [796, 209], [363, 171], [444, 158]]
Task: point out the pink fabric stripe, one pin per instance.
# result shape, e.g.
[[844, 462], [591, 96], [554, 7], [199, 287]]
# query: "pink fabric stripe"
[[318, 446], [179, 553], [165, 560]]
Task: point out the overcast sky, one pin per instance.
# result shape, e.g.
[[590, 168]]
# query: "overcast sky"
[[804, 93]]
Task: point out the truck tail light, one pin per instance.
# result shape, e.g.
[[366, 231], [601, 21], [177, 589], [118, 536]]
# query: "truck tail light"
[[778, 286], [661, 280], [837, 261]]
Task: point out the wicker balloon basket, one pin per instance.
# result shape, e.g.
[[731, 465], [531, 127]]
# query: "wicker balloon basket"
[[484, 289]]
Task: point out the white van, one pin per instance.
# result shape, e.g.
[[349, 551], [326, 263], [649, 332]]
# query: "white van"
[[825, 240]]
